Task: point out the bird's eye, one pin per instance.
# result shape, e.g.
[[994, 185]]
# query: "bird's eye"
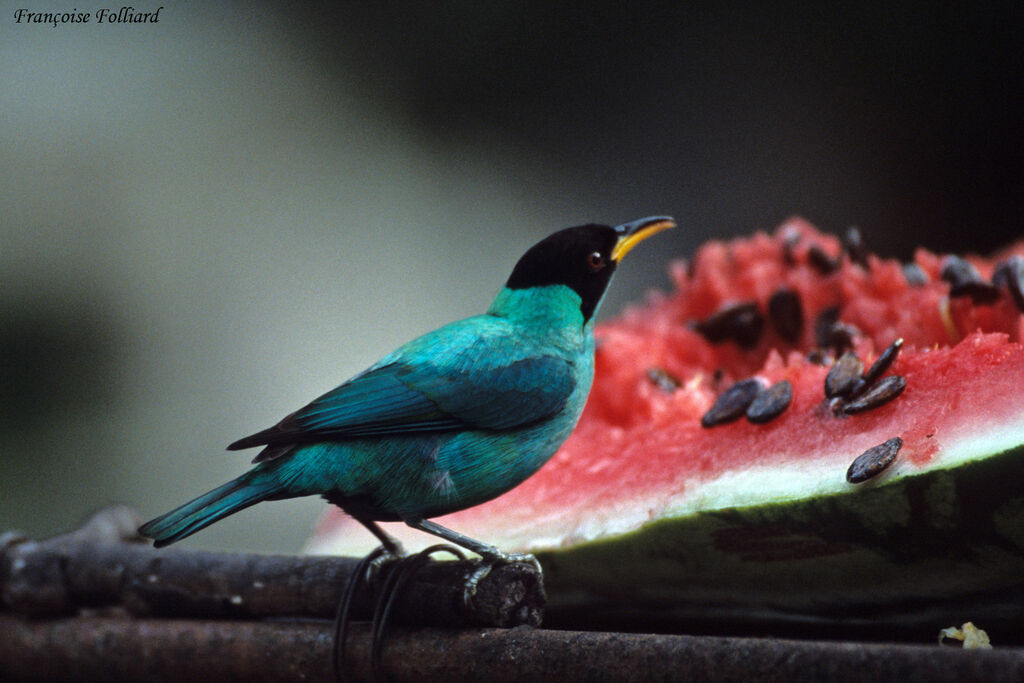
[[595, 261]]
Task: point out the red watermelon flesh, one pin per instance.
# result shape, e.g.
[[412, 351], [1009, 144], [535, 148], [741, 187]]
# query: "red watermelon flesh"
[[640, 454]]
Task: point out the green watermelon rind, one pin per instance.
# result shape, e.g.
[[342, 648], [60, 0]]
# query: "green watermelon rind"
[[957, 528]]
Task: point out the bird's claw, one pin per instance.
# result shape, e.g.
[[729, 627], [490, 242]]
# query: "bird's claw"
[[378, 560], [486, 566]]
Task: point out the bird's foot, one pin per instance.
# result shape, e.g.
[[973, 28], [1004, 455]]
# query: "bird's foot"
[[488, 562], [372, 568]]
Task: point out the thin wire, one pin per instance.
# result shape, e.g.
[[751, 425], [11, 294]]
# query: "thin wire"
[[400, 575], [342, 617]]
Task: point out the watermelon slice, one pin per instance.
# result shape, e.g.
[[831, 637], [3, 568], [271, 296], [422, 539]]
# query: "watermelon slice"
[[646, 508]]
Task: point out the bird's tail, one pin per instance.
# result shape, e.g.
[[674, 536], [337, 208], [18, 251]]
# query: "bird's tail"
[[238, 494]]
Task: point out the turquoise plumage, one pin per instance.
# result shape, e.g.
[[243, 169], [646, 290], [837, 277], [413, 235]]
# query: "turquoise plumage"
[[451, 419]]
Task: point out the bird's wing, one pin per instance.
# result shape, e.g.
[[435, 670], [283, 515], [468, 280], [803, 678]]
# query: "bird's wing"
[[462, 381]]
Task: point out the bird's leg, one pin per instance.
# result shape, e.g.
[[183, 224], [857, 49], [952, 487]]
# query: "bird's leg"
[[481, 549], [389, 547], [491, 555], [488, 552]]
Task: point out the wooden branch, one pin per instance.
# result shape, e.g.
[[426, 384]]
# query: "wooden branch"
[[111, 648], [115, 585], [105, 563]]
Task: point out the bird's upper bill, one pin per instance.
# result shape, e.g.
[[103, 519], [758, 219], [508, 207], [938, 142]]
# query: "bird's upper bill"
[[635, 232]]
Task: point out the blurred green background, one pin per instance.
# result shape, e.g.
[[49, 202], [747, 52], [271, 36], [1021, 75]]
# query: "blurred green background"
[[208, 221]]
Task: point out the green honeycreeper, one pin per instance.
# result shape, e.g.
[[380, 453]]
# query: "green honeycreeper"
[[451, 419]]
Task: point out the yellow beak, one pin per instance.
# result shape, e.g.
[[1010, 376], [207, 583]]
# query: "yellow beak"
[[632, 234]]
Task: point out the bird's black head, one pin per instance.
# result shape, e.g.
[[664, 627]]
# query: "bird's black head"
[[583, 258]]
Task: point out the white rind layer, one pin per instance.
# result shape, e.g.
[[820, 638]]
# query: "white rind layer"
[[790, 479]]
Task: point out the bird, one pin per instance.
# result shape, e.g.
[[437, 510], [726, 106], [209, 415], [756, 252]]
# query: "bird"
[[451, 419]]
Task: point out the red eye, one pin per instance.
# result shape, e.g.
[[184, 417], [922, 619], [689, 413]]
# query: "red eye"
[[595, 261]]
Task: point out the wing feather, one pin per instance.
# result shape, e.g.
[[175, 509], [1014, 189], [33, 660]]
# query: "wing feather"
[[454, 382]]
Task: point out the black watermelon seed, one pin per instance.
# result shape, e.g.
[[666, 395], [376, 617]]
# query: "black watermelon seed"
[[1010, 273], [817, 356], [914, 275], [790, 240], [1005, 270], [732, 403], [956, 270], [1016, 283], [823, 326], [770, 403], [830, 333], [748, 330], [964, 280], [663, 379], [882, 363], [858, 388], [980, 292], [787, 314], [843, 375], [853, 245], [834, 405], [877, 369], [825, 264], [740, 322], [877, 395], [873, 461], [842, 336]]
